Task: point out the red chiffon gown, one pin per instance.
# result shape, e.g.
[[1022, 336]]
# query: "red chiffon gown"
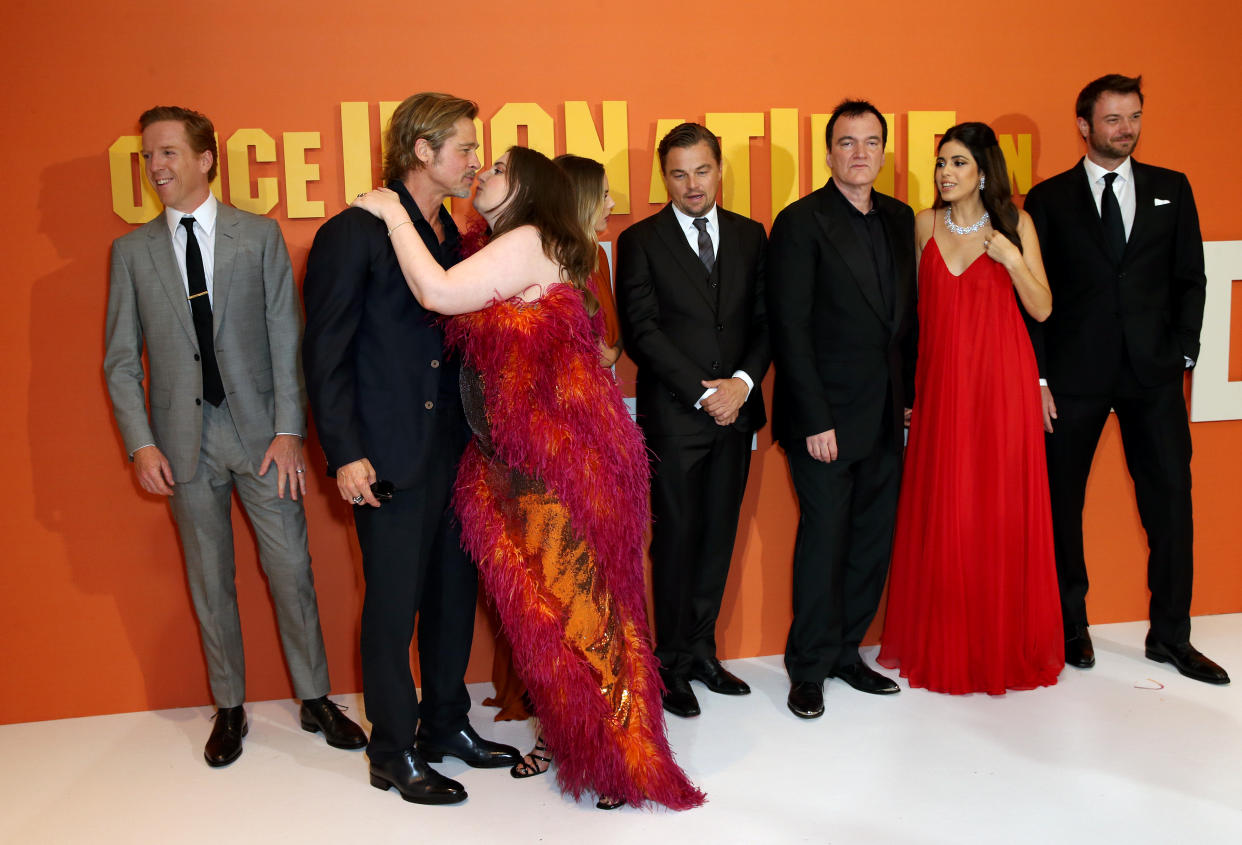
[[973, 603]]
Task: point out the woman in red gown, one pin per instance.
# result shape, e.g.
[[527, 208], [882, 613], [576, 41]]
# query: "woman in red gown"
[[973, 603]]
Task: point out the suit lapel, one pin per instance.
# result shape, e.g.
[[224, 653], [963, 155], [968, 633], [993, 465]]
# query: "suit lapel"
[[165, 260], [1144, 203], [836, 226], [903, 256], [1091, 212], [675, 239], [226, 252], [729, 264]]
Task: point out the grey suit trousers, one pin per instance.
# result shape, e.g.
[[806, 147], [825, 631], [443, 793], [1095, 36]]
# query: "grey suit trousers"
[[202, 508]]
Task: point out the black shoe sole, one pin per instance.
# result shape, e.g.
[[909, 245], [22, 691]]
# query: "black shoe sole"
[[801, 714], [383, 783], [722, 690], [432, 756], [313, 728], [1160, 658]]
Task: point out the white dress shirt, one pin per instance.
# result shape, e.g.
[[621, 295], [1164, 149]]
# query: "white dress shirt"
[[205, 230], [686, 222], [1123, 188]]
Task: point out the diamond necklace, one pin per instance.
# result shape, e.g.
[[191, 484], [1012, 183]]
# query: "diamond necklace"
[[962, 230]]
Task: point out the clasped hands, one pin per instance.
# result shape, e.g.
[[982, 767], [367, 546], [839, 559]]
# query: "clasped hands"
[[727, 401]]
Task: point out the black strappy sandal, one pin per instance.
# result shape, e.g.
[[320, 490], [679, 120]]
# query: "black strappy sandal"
[[606, 803], [534, 763]]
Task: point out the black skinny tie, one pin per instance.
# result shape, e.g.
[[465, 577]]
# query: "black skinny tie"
[[1110, 217], [213, 387], [705, 244]]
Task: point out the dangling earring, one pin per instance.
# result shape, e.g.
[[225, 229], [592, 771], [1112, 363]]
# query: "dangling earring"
[[983, 180]]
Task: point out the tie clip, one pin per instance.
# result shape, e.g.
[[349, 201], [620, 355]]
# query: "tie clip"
[[200, 293]]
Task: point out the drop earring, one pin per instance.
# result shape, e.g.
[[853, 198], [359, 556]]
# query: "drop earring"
[[983, 180]]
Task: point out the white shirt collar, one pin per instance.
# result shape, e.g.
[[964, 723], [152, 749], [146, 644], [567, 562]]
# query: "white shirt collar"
[[1095, 173], [204, 215], [687, 222]]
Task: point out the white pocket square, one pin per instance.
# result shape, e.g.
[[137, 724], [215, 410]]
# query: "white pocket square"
[[1162, 202]]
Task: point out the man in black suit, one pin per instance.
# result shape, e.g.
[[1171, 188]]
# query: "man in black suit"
[[841, 296], [389, 416], [691, 306], [1124, 256]]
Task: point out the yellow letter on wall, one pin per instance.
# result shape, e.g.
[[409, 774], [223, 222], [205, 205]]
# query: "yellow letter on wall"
[[784, 152], [664, 125], [538, 123], [613, 152], [298, 172], [1017, 160], [355, 148], [735, 130], [924, 126], [237, 148], [121, 157]]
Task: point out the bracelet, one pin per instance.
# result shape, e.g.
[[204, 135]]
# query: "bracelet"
[[398, 226]]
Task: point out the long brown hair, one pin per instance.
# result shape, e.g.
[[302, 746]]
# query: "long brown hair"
[[428, 115], [540, 195], [997, 197]]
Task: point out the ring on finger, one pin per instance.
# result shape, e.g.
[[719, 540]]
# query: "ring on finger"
[[357, 500]]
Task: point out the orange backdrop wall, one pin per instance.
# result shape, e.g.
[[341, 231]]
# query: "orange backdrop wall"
[[94, 612]]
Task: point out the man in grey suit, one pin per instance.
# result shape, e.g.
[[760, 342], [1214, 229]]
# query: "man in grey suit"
[[209, 290]]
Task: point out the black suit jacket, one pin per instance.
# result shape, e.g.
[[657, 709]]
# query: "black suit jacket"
[[681, 331], [374, 358], [840, 357], [1150, 304]]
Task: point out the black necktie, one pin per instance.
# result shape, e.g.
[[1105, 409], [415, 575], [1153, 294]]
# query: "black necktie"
[[1110, 217], [213, 387], [705, 244]]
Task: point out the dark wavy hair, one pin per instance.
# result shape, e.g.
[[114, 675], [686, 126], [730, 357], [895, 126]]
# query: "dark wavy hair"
[[1113, 83], [540, 195], [997, 196], [199, 132], [687, 135]]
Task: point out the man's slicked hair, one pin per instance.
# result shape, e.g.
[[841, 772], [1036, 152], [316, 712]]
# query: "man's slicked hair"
[[855, 108], [199, 132], [426, 115], [1112, 83], [687, 135]]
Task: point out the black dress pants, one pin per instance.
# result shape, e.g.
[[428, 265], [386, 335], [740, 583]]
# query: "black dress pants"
[[847, 512], [414, 566], [1155, 435], [697, 484]]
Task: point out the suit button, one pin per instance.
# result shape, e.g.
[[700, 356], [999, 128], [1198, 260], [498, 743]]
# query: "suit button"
[[713, 285], [715, 366], [720, 327], [429, 404], [434, 364], [195, 357], [198, 401]]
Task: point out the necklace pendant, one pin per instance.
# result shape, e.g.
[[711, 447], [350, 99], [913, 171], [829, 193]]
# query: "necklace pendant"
[[963, 230]]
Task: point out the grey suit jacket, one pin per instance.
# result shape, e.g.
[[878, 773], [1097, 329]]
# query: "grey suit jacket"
[[257, 332]]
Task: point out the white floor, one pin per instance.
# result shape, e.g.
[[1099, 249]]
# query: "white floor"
[[1127, 752]]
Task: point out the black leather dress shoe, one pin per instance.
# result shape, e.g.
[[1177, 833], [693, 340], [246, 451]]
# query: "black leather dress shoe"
[[466, 745], [865, 679], [1187, 660], [806, 699], [319, 714], [718, 679], [1078, 649], [678, 697], [417, 782], [225, 743]]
